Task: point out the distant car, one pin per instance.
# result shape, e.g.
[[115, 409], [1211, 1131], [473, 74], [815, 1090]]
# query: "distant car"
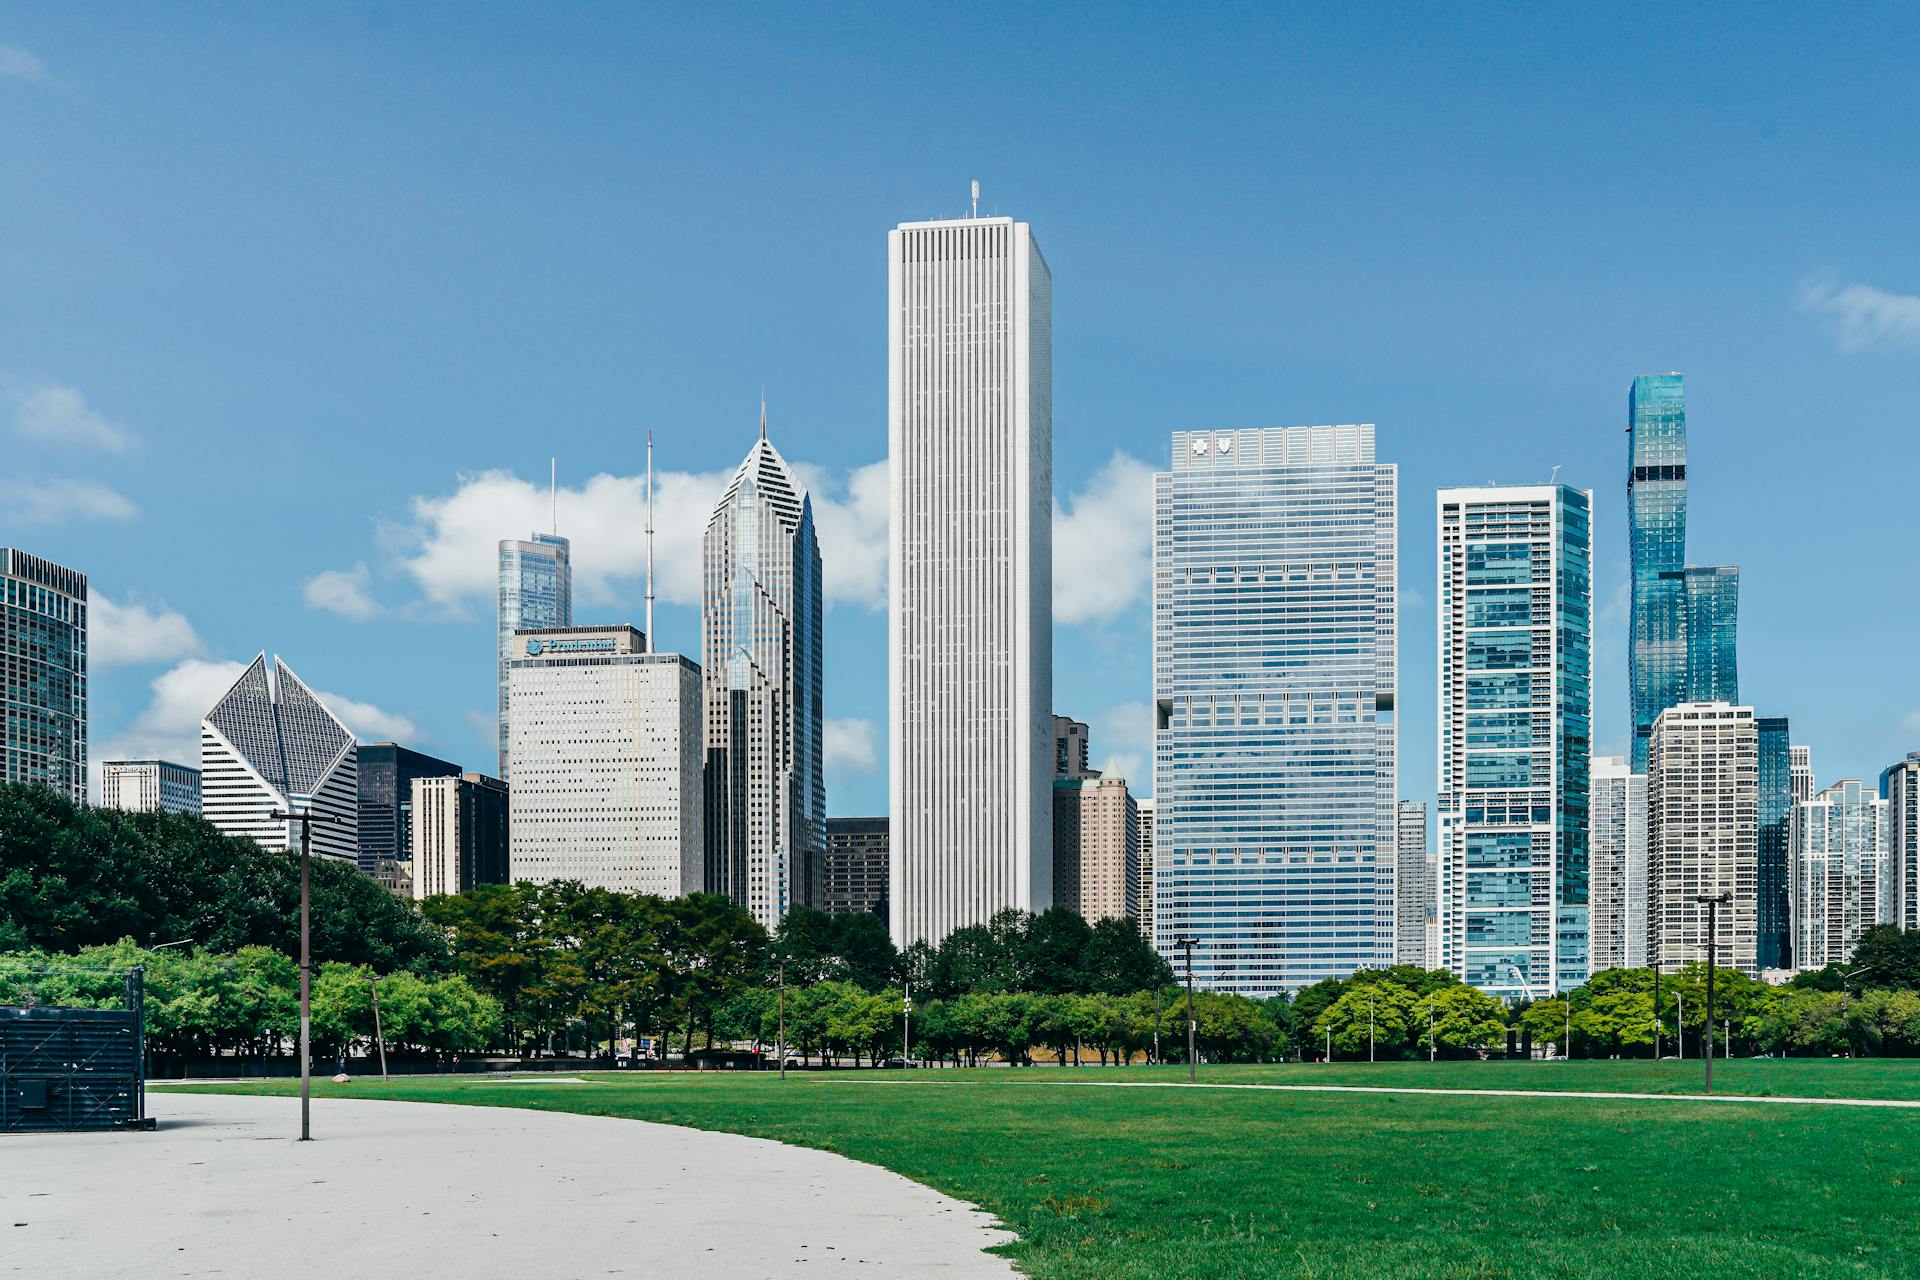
[[895, 1064]]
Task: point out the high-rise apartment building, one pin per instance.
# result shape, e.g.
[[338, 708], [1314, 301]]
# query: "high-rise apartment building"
[[1617, 856], [1702, 835], [140, 785], [458, 832], [1516, 700], [269, 745], [1096, 848], [1900, 788], [1839, 872], [43, 674], [1801, 765], [607, 748], [536, 592], [1773, 814], [1274, 679], [970, 586], [761, 609], [855, 876], [1143, 810], [1415, 888], [387, 771], [1070, 749]]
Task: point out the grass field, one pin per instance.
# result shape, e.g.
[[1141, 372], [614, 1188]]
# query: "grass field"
[[1125, 1183]]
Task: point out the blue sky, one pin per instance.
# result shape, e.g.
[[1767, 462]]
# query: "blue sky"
[[296, 303]]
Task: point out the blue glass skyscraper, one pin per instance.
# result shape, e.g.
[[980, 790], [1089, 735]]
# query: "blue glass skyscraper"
[[1713, 615], [1773, 818], [536, 591]]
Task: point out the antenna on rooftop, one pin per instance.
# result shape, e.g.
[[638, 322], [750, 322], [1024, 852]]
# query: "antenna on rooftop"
[[553, 493], [1555, 477], [650, 646], [976, 197]]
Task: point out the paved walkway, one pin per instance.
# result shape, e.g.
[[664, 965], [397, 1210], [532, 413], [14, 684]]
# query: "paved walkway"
[[1907, 1103], [412, 1191]]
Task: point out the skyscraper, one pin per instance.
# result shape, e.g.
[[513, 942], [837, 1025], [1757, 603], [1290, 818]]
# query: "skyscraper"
[[1713, 615], [1274, 680], [1657, 533], [1839, 872], [43, 674], [1516, 699], [969, 618], [761, 608], [1096, 847], [458, 835], [856, 866], [1414, 886], [536, 592], [387, 771], [1070, 749], [1702, 836], [269, 745], [139, 785], [1900, 788], [1617, 854], [1773, 814], [1143, 810], [1801, 766]]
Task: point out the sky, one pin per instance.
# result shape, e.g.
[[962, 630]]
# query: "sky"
[[298, 302]]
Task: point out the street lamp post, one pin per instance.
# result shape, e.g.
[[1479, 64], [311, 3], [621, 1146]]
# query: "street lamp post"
[[1192, 1026], [379, 1037], [906, 1025], [780, 1043], [1431, 1055], [1713, 901], [306, 818], [1679, 1024], [1370, 1057]]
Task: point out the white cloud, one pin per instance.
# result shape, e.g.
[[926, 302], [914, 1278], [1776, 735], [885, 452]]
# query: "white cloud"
[[342, 591], [129, 634], [62, 415], [17, 64], [850, 746], [851, 524], [1102, 544], [1120, 740], [54, 501], [1864, 316], [368, 722]]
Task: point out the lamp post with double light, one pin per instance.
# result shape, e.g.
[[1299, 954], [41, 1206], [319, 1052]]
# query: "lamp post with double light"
[[306, 817]]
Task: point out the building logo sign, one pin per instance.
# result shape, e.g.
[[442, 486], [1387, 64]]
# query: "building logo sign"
[[584, 644]]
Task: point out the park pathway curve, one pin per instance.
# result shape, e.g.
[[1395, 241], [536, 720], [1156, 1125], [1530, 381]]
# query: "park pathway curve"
[[417, 1191]]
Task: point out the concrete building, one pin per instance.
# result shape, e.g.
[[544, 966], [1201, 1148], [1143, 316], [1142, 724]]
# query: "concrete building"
[[1840, 873], [855, 875], [459, 833], [1800, 762], [1702, 835], [1900, 788], [43, 674], [607, 748], [970, 583], [1274, 678], [1617, 852], [1096, 848], [1516, 722], [140, 785], [535, 591], [1144, 810], [270, 745], [387, 772], [1415, 904], [1070, 749], [761, 608]]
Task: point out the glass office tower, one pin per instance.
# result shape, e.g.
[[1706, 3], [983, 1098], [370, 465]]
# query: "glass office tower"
[[1713, 612], [1274, 678], [1774, 817], [1516, 729], [1657, 534], [43, 674], [536, 593]]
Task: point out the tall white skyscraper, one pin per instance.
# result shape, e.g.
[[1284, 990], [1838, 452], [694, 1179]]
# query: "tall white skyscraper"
[[1516, 724], [1801, 771], [269, 745], [536, 591], [1703, 835], [1617, 849], [1840, 880], [1274, 678], [969, 618], [139, 785], [1414, 903]]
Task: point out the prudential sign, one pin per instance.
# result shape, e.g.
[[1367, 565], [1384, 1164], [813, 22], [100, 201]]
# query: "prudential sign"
[[591, 644]]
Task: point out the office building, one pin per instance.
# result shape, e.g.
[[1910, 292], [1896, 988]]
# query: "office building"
[[387, 771], [458, 833], [536, 592], [1096, 848], [1617, 855], [1702, 835], [140, 785], [1773, 816], [1900, 788], [43, 682], [1274, 679], [1070, 749], [970, 583], [1516, 713], [607, 750], [1415, 888], [268, 746], [1143, 810], [1840, 873], [761, 661], [855, 869], [1801, 764]]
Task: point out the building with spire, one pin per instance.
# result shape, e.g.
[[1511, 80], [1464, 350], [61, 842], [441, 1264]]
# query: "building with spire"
[[271, 746], [536, 593], [761, 606]]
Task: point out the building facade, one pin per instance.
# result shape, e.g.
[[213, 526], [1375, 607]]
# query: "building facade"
[[1096, 848], [1657, 535], [1840, 873], [1516, 724], [1415, 887], [970, 583], [140, 785], [855, 875], [268, 746], [1801, 764], [1274, 680], [1900, 788], [535, 593], [1703, 835], [607, 745], [1070, 749], [1713, 626], [1143, 810], [387, 771], [458, 833], [1773, 812], [1617, 856], [43, 674]]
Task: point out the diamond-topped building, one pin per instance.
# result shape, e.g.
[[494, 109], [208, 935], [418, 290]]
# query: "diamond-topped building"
[[268, 746]]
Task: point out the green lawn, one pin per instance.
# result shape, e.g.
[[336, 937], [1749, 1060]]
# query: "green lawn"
[[1121, 1183]]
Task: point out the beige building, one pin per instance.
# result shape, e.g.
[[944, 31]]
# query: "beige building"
[[459, 834], [1096, 848], [1703, 834]]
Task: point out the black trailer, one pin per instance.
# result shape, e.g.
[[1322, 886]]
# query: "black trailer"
[[71, 1070]]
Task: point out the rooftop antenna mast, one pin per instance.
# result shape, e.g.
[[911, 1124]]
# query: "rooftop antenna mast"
[[650, 645], [553, 494], [976, 197]]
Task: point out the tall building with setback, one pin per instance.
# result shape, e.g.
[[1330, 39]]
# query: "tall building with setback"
[[270, 745], [970, 585], [1900, 788], [387, 771], [536, 592], [1070, 749], [1516, 726], [1773, 814], [1800, 763], [855, 878], [43, 674], [459, 832], [1415, 890], [761, 657], [1274, 620], [1839, 872], [1096, 847], [1143, 809], [1702, 835], [139, 785], [1617, 856], [607, 753]]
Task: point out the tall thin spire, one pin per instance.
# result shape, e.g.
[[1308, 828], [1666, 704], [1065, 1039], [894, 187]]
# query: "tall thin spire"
[[553, 495], [763, 413], [650, 644]]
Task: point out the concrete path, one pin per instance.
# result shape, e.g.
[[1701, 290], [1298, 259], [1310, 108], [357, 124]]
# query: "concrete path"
[[414, 1191], [1896, 1103]]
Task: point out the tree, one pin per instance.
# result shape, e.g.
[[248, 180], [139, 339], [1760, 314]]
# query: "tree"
[[1118, 961], [1055, 945], [1374, 1016]]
